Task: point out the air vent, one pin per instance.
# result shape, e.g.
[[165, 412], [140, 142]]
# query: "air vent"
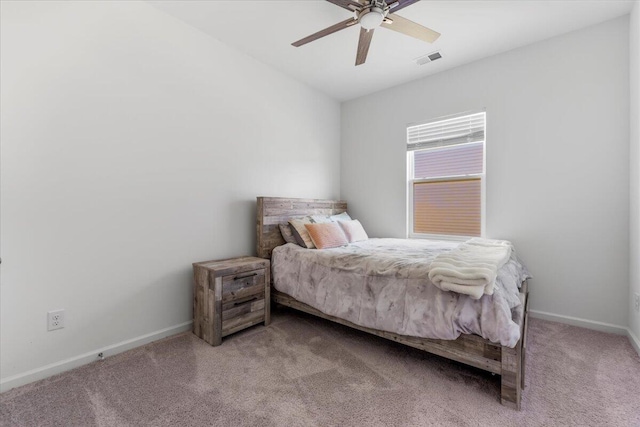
[[425, 59]]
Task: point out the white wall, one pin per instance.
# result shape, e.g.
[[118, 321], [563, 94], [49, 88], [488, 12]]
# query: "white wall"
[[132, 146], [634, 49], [557, 161]]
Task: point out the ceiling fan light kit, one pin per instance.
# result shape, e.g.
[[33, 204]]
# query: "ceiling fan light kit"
[[371, 14], [371, 18]]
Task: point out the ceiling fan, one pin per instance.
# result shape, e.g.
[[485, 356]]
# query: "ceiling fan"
[[371, 14]]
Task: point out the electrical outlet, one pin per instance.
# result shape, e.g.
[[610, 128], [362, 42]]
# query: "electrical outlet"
[[55, 320], [636, 301]]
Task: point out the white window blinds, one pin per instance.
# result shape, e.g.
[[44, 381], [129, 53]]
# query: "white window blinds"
[[445, 176], [442, 133]]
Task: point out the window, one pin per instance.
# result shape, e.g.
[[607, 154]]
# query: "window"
[[446, 177]]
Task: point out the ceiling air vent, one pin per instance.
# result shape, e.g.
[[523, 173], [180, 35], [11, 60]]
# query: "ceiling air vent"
[[428, 58]]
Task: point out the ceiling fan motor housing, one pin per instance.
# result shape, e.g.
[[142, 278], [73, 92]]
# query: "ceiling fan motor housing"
[[372, 15]]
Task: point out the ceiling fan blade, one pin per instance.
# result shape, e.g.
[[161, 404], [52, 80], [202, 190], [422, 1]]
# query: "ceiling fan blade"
[[410, 28], [363, 45], [330, 30], [347, 4], [400, 4]]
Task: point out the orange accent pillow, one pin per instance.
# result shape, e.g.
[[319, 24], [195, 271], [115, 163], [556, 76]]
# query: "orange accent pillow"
[[326, 235], [353, 230]]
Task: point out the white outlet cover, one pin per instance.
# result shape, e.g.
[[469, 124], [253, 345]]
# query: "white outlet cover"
[[55, 320]]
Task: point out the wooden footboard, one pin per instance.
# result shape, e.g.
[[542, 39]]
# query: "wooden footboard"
[[470, 349], [512, 366]]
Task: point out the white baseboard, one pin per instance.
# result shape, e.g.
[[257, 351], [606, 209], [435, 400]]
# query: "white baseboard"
[[635, 342], [583, 323], [91, 356], [83, 359], [589, 324]]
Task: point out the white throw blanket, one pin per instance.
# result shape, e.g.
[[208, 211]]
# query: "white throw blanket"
[[471, 268]]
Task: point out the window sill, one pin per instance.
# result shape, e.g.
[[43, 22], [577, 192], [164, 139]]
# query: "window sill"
[[443, 237]]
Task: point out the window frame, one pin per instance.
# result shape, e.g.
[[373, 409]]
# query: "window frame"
[[411, 181]]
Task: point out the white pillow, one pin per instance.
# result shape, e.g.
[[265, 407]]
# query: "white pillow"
[[340, 217], [320, 219], [353, 230]]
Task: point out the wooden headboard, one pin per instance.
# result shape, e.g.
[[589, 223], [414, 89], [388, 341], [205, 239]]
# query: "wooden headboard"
[[272, 211]]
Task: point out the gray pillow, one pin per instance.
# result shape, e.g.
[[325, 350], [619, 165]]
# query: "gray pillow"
[[300, 231], [287, 233]]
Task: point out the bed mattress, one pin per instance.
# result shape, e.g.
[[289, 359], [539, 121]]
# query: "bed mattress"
[[383, 284]]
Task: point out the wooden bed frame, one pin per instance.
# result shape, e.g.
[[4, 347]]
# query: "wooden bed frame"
[[470, 349]]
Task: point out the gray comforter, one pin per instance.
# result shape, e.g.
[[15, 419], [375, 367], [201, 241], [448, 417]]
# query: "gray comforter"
[[383, 284]]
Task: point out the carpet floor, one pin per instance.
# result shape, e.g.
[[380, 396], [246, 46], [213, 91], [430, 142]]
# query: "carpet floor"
[[303, 371]]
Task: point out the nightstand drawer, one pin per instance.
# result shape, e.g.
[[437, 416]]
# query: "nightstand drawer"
[[246, 305], [230, 295], [242, 316], [242, 285]]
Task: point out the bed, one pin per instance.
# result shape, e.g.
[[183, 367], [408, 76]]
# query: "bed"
[[471, 349]]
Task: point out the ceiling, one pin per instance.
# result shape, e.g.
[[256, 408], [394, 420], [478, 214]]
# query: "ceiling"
[[471, 30]]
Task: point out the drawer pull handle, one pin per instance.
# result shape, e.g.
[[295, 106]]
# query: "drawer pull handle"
[[255, 298], [244, 277]]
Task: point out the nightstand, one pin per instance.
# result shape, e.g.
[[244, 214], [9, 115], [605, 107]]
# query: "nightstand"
[[230, 295]]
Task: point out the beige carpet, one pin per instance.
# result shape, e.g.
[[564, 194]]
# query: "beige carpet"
[[302, 371]]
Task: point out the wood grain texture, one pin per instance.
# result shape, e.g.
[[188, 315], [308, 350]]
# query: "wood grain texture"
[[233, 284], [230, 295], [510, 377], [411, 29], [347, 4], [267, 296], [325, 32], [400, 4], [240, 309], [215, 309], [272, 211], [477, 353], [200, 295], [363, 45], [470, 349], [524, 329]]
